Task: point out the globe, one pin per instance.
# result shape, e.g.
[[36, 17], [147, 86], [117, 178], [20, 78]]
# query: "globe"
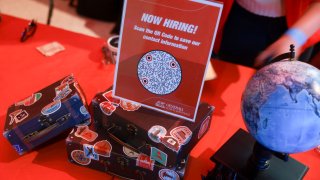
[[281, 106]]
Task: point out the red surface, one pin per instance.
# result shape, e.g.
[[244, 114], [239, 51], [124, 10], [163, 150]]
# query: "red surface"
[[24, 70]]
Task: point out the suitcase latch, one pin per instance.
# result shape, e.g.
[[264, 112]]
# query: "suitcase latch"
[[132, 129]]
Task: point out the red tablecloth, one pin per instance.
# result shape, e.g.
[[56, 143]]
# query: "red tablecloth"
[[24, 70]]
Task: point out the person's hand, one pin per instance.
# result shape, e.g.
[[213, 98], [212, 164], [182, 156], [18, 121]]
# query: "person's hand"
[[306, 26], [282, 45]]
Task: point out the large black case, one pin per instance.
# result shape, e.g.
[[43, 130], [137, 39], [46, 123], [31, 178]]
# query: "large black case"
[[164, 138]]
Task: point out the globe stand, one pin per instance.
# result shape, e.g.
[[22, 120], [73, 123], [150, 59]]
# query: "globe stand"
[[289, 55], [242, 158]]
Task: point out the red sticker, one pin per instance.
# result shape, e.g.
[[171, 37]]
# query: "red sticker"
[[171, 143], [85, 133], [18, 116], [107, 108], [108, 96], [30, 100], [182, 134], [83, 99], [145, 161], [103, 148], [62, 92], [129, 106], [204, 127]]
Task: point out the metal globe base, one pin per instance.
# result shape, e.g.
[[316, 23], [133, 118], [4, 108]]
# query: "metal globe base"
[[242, 158]]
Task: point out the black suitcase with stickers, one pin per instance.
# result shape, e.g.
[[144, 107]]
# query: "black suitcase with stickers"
[[93, 148], [166, 139], [45, 114]]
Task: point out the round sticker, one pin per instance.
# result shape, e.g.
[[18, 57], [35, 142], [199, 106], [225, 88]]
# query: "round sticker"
[[79, 157], [51, 108], [168, 174], [159, 72], [84, 110], [156, 132]]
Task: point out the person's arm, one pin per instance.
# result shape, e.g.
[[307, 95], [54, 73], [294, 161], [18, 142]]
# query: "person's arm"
[[298, 34]]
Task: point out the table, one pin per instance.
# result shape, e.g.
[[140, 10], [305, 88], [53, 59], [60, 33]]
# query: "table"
[[24, 70]]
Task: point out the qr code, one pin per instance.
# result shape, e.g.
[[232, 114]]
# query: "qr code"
[[159, 72]]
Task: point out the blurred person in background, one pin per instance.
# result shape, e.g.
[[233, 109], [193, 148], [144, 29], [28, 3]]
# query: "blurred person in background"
[[252, 32]]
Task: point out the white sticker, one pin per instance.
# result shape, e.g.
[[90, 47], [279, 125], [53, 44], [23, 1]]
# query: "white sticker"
[[79, 157], [168, 174], [182, 134], [156, 132], [129, 152], [51, 108]]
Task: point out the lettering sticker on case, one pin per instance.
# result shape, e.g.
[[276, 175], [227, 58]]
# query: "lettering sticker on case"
[[18, 116], [145, 161]]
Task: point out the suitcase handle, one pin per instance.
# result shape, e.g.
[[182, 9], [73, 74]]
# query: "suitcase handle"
[[111, 132], [47, 126]]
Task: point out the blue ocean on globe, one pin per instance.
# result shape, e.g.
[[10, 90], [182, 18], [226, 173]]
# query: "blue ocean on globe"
[[281, 106]]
